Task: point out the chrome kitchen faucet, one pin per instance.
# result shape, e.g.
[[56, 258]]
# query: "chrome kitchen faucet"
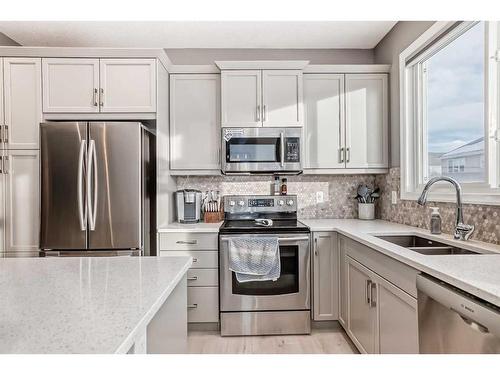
[[462, 231]]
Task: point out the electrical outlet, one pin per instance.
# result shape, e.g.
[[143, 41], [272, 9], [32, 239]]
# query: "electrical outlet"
[[319, 197], [394, 197]]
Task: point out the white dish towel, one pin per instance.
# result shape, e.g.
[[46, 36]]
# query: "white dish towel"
[[254, 258]]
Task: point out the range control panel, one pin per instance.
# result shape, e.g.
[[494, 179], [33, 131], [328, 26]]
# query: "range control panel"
[[260, 203]]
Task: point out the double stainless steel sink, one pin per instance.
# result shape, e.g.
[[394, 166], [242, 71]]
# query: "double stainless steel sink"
[[425, 246]]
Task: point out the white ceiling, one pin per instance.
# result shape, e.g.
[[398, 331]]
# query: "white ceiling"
[[170, 34]]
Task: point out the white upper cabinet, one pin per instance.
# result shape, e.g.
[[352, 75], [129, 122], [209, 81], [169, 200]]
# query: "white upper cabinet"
[[241, 98], [70, 85], [99, 85], [282, 98], [255, 98], [22, 202], [127, 85], [324, 121], [194, 122], [366, 120], [23, 102]]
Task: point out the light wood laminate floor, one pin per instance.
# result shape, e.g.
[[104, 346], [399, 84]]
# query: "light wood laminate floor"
[[321, 341]]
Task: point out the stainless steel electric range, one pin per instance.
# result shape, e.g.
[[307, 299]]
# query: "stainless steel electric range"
[[266, 307]]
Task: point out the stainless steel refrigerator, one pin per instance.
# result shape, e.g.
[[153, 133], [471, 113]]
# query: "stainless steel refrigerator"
[[97, 189]]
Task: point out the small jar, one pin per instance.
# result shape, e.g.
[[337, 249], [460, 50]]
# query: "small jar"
[[284, 188]]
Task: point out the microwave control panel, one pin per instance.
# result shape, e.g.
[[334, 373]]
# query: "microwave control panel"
[[292, 150]]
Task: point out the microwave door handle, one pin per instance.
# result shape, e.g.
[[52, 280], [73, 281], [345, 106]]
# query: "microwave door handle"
[[282, 149]]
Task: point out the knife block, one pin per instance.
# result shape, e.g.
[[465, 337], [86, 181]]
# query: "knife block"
[[213, 217]]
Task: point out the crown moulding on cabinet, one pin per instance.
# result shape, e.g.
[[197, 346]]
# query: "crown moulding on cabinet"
[[262, 64]]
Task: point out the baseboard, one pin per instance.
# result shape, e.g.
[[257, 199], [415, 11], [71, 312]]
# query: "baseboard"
[[325, 324], [204, 327]]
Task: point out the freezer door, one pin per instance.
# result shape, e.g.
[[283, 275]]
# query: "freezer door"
[[63, 169], [114, 185]]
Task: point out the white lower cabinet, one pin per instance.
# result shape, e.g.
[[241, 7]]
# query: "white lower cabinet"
[[325, 276], [202, 277], [362, 314], [378, 315], [20, 202]]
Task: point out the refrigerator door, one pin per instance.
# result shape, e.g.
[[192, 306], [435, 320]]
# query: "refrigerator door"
[[114, 185], [63, 169]]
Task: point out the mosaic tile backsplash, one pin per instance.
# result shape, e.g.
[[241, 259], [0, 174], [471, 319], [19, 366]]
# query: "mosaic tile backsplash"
[[486, 218], [338, 191]]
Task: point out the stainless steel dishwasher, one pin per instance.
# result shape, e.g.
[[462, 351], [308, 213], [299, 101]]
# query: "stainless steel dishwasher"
[[453, 321]]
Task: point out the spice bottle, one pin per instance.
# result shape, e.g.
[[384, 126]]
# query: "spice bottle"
[[284, 189]]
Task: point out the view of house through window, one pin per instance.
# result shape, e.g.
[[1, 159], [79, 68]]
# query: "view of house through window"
[[453, 113]]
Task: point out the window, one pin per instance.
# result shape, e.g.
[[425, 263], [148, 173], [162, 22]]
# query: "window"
[[449, 88]]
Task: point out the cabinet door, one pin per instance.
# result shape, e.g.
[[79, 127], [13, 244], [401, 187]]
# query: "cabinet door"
[[70, 85], [282, 98], [343, 298], [398, 319], [127, 85], [23, 102], [2, 118], [324, 121], [362, 315], [22, 212], [326, 273], [366, 120], [241, 98], [194, 121]]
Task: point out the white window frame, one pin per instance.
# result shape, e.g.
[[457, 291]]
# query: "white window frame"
[[413, 123]]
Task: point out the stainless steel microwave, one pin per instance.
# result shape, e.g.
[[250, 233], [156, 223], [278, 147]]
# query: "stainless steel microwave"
[[261, 150]]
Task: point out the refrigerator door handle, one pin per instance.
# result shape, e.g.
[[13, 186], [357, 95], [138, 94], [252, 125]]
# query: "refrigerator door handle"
[[92, 193], [81, 213]]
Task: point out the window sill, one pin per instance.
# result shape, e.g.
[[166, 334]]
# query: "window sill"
[[491, 199]]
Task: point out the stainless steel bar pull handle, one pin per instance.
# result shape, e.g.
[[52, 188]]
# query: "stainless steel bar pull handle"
[[316, 246], [192, 242], [101, 98], [193, 306], [264, 113], [373, 301], [6, 134], [1, 164], [1, 133], [347, 154], [95, 98], [82, 211], [92, 193], [341, 155], [368, 292], [258, 112], [193, 278]]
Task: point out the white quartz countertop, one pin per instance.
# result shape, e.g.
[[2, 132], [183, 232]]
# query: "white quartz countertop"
[[196, 227], [476, 274], [82, 305]]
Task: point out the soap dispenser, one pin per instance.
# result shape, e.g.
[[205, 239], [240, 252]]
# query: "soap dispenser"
[[435, 221]]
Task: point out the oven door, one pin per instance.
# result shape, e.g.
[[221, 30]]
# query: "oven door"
[[261, 150], [290, 292]]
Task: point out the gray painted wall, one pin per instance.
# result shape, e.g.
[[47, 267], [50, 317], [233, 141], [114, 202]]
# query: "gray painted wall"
[[6, 41], [387, 52], [206, 56]]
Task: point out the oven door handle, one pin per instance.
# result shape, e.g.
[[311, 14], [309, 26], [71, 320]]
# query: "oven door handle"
[[286, 239], [280, 239], [282, 149]]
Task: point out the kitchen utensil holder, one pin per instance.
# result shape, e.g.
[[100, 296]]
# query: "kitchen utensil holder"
[[366, 211]]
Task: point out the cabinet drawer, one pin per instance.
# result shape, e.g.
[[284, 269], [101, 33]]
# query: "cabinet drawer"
[[203, 277], [201, 259], [203, 304], [188, 241]]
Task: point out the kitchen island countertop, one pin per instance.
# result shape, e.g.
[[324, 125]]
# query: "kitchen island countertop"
[[82, 305]]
